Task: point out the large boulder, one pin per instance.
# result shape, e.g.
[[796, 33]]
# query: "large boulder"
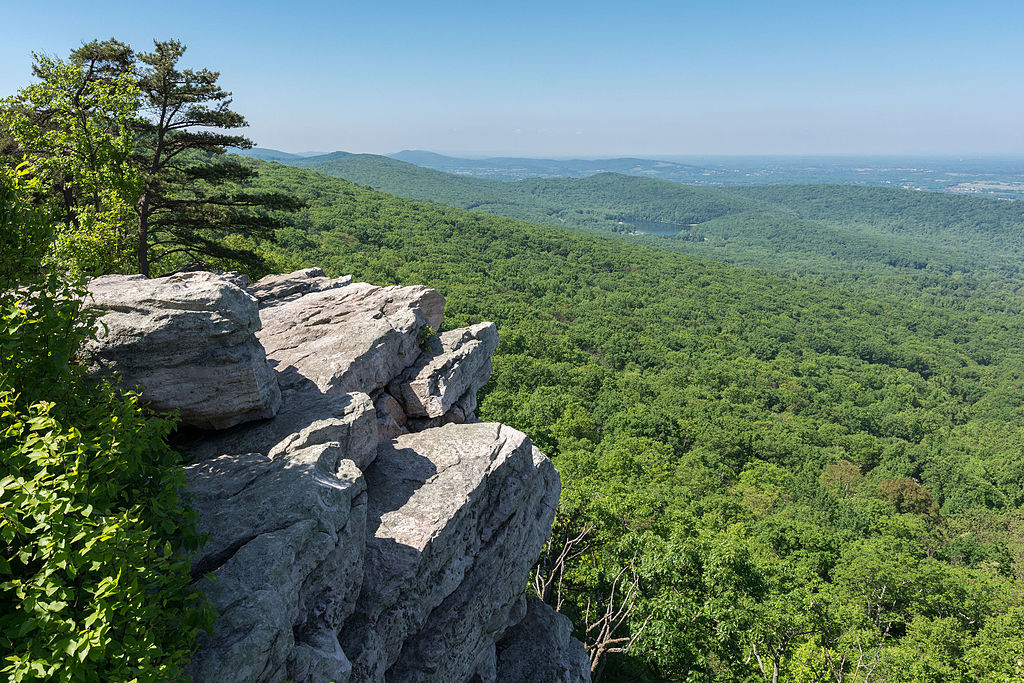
[[453, 365], [357, 337], [188, 342], [456, 517], [283, 564]]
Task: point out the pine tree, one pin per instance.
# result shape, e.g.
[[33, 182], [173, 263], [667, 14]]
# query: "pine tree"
[[191, 198], [188, 201]]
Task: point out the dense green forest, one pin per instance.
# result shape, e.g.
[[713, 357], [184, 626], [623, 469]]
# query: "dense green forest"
[[793, 229], [789, 429], [795, 478]]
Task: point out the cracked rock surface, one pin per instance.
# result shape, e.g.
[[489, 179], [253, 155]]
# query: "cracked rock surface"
[[284, 561], [274, 289], [363, 526], [456, 516], [451, 366], [188, 341], [357, 337]]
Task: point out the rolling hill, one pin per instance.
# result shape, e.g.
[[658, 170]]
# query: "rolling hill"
[[823, 230], [516, 168], [762, 453]]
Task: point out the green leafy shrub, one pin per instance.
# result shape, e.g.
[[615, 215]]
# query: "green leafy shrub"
[[94, 537]]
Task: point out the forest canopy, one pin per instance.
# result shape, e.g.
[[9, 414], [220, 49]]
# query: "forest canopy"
[[796, 477], [798, 459]]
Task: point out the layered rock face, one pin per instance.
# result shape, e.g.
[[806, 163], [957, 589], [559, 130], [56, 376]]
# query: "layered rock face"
[[187, 341], [363, 524], [457, 515], [541, 648]]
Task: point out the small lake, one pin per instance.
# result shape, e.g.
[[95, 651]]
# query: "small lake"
[[652, 228]]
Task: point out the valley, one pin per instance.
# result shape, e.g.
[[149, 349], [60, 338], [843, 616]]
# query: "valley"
[[678, 342], [743, 440], [839, 232]]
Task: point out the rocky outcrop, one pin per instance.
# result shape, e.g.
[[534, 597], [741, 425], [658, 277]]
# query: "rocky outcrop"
[[283, 565], [347, 421], [373, 530], [541, 648], [456, 516], [451, 367], [188, 341]]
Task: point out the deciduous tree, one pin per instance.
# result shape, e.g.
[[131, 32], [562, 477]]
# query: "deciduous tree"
[[75, 127]]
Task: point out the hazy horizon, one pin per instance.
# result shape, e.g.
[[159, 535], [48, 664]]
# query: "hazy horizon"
[[668, 156], [796, 78]]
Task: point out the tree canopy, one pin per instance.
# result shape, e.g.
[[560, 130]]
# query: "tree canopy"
[[134, 147], [763, 475]]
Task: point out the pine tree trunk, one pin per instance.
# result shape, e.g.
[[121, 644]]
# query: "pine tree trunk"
[[142, 247]]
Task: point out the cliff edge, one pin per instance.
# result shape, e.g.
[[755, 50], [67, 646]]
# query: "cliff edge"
[[363, 525]]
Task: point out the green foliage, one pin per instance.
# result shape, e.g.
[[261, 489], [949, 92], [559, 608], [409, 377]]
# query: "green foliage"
[[131, 147], [94, 570], [803, 474], [906, 495], [26, 233], [193, 201], [76, 130], [91, 586], [426, 334]]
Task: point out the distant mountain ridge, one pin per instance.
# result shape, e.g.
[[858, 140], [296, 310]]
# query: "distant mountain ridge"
[[601, 203], [511, 168], [266, 154], [795, 228], [988, 177], [518, 168]]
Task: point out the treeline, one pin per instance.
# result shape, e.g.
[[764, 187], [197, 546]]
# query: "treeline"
[[793, 229], [772, 476]]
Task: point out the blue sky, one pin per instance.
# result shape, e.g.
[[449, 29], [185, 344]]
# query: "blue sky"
[[584, 78]]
